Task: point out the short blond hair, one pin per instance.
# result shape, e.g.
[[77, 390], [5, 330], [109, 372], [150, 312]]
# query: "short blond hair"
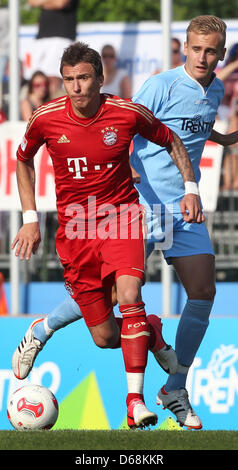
[[207, 24]]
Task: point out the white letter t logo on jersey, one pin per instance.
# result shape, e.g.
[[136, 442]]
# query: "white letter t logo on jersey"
[[75, 168]]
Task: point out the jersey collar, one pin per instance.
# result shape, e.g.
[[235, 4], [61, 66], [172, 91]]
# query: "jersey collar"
[[204, 90], [85, 122]]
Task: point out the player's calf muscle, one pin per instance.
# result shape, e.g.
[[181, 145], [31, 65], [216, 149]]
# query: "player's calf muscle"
[[106, 334]]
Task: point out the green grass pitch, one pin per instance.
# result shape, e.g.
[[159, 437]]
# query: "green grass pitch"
[[118, 440]]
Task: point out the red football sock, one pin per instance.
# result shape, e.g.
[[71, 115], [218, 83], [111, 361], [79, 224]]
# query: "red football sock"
[[156, 338], [135, 334], [152, 336]]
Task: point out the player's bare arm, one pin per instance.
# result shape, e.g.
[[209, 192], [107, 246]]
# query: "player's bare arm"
[[135, 175], [224, 139], [190, 204], [28, 238]]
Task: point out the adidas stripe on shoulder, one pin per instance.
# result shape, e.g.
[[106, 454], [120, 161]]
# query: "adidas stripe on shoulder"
[[50, 107], [130, 106]]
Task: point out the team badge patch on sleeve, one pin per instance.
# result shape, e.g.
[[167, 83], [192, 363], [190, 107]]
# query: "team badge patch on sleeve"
[[24, 144]]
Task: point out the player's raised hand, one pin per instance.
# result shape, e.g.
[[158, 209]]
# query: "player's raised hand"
[[27, 240], [191, 209]]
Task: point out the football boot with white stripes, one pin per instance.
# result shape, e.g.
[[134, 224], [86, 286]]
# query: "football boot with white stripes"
[[26, 353], [177, 401], [138, 416]]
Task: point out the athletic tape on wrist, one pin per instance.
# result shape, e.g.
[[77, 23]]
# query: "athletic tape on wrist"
[[191, 188], [29, 217]]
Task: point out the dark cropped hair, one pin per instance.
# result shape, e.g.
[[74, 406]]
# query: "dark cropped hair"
[[80, 52]]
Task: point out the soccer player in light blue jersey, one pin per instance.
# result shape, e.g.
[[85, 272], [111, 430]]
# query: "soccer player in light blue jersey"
[[186, 99]]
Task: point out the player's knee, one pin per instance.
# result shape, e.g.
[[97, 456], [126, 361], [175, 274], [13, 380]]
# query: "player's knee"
[[212, 292], [128, 289], [129, 295], [209, 292], [203, 292], [105, 343]]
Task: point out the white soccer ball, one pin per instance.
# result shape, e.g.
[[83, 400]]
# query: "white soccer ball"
[[32, 407]]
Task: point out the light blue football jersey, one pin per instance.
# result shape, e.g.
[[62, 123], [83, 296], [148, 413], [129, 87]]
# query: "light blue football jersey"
[[190, 110]]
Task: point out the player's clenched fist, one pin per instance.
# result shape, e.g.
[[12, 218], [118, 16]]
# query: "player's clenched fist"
[[191, 209]]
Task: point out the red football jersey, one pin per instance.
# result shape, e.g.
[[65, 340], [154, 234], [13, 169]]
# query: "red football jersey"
[[91, 156]]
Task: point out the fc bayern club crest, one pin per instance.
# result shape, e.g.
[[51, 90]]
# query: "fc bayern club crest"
[[109, 135]]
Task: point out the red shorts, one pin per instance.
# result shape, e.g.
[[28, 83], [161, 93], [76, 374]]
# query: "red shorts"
[[91, 267]]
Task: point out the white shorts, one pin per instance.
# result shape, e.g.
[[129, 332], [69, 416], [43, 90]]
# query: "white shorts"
[[47, 53]]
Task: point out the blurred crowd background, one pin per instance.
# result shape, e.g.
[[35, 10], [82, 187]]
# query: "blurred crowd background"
[[57, 22]]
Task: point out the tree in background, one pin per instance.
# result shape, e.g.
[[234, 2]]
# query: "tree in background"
[[138, 10]]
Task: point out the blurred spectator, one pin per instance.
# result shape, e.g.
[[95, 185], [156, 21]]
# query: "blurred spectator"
[[38, 94], [3, 224], [116, 80], [5, 87], [228, 110], [4, 39], [229, 75], [230, 161], [2, 117], [177, 57], [57, 30]]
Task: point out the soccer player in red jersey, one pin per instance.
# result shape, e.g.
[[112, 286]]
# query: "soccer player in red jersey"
[[100, 240]]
